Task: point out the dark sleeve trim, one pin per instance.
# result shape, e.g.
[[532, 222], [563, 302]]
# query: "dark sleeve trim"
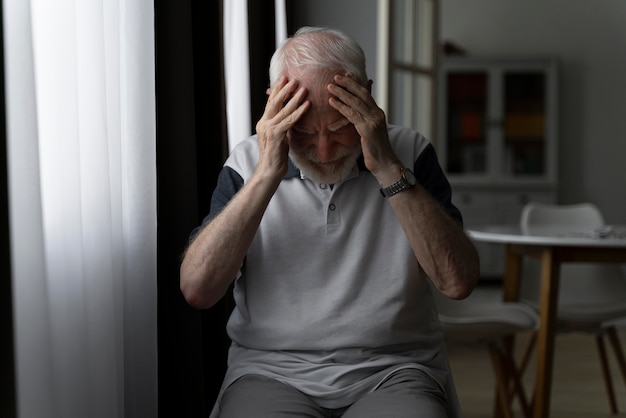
[[430, 175], [229, 183]]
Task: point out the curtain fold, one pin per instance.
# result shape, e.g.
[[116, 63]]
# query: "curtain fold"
[[237, 70], [249, 44], [82, 190]]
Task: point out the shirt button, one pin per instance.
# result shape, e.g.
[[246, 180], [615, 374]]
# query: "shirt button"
[[323, 186], [332, 206]]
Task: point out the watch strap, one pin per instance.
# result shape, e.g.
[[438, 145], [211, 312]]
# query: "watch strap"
[[396, 187]]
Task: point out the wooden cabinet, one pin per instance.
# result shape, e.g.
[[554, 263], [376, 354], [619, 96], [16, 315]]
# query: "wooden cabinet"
[[498, 140]]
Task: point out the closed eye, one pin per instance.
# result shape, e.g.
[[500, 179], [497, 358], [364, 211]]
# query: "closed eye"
[[341, 129], [299, 133]]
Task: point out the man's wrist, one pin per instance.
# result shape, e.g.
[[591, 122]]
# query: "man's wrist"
[[389, 175]]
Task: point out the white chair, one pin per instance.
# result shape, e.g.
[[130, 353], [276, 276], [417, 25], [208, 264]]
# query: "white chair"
[[591, 296], [487, 324]]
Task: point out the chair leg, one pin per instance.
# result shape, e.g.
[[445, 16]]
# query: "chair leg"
[[524, 360], [530, 345], [517, 387], [617, 348], [503, 402], [606, 373], [506, 371]]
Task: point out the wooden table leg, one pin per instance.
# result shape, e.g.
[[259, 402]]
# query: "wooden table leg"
[[512, 274], [548, 300]]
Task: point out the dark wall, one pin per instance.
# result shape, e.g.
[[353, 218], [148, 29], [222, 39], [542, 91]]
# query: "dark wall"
[[192, 344]]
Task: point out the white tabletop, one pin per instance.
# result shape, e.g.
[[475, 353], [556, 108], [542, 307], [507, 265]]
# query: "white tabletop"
[[613, 236]]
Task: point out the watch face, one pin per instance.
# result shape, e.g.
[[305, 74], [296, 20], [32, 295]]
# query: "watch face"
[[409, 176]]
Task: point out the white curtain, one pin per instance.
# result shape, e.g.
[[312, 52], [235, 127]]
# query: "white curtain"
[[237, 64], [237, 70], [81, 131]]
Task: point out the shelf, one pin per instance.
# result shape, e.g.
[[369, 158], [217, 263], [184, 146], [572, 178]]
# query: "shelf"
[[498, 139]]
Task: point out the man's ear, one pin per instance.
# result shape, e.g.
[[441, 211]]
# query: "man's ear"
[[268, 91]]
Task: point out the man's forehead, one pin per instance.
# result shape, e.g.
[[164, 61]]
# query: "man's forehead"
[[315, 81], [318, 94], [331, 121]]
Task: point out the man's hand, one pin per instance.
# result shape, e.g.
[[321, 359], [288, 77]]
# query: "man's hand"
[[284, 107], [356, 104]]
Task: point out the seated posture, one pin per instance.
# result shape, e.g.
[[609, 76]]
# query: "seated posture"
[[329, 222]]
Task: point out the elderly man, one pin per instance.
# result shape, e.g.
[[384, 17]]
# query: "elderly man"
[[330, 222]]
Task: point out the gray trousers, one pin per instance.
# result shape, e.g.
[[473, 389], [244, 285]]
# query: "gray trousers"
[[406, 393]]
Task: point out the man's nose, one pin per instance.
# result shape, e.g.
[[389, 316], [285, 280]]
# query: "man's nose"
[[324, 148]]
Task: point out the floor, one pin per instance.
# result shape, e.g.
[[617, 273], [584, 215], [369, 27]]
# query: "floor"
[[577, 390]]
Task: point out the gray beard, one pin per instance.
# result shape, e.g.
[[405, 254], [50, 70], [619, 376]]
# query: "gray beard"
[[328, 174]]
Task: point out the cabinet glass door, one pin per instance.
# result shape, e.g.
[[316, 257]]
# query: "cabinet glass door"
[[524, 123], [466, 114]]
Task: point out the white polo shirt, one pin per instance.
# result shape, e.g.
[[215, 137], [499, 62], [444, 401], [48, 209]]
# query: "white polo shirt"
[[331, 298]]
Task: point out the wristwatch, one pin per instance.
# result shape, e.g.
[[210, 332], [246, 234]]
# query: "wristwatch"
[[407, 181]]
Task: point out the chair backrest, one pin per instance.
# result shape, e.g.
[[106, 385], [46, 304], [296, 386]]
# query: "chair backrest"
[[575, 218], [581, 284]]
